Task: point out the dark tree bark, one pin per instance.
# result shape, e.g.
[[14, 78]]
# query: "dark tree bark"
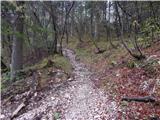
[[51, 11], [55, 35], [17, 48], [3, 65]]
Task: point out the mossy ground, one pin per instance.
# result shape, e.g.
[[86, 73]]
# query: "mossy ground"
[[86, 51], [59, 62]]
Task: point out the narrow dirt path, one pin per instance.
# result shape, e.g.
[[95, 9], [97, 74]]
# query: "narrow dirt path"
[[76, 100], [88, 103]]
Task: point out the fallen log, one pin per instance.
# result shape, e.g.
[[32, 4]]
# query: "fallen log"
[[154, 118], [144, 99]]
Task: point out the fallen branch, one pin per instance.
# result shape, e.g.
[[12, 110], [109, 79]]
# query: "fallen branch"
[[15, 113], [145, 99], [8, 99], [22, 105]]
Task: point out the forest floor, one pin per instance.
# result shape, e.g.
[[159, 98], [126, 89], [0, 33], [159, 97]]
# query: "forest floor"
[[77, 99], [94, 89], [122, 76]]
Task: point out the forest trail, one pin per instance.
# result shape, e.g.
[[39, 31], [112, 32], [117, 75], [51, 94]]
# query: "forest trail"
[[79, 100], [88, 102]]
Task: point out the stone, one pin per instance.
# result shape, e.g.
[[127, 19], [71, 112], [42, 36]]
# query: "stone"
[[97, 116], [2, 116], [52, 98]]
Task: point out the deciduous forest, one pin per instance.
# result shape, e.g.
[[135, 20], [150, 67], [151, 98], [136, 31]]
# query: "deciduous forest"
[[80, 60]]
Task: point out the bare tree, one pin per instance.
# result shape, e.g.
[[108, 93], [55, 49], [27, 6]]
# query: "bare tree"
[[138, 56], [108, 27], [65, 26]]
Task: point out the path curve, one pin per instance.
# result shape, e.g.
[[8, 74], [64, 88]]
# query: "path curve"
[[88, 102], [79, 100]]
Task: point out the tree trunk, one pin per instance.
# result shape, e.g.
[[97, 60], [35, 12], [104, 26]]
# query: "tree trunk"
[[91, 22], [136, 56], [108, 29], [3, 66], [67, 12], [96, 28], [93, 33], [17, 47], [51, 11], [55, 38]]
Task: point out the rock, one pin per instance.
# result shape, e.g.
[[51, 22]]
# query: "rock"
[[97, 116], [35, 94], [52, 98], [61, 75], [117, 74], [96, 109], [70, 79], [2, 116], [67, 96], [113, 63]]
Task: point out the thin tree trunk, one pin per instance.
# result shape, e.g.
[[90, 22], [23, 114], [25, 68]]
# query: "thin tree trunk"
[[136, 44], [55, 36], [55, 30], [65, 26], [108, 29], [93, 34], [138, 57]]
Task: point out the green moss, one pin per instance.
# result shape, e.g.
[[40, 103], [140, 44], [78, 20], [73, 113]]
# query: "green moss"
[[73, 43], [86, 53], [2, 87], [62, 63], [41, 64], [56, 115], [58, 62]]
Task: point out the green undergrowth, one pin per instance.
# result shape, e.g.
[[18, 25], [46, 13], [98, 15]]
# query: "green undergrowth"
[[86, 51], [58, 62], [63, 63]]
